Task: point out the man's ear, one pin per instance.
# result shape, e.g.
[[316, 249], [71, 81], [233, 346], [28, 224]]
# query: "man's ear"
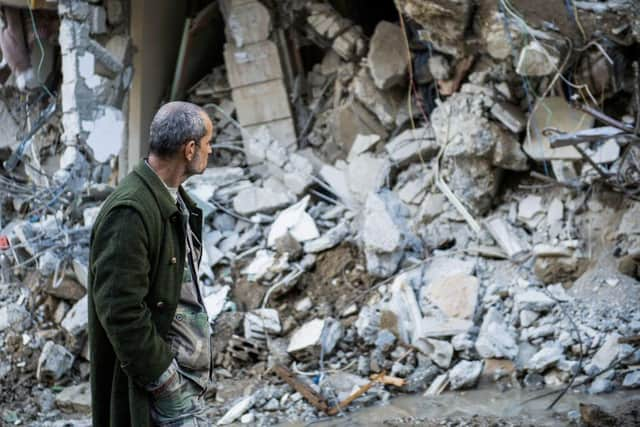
[[190, 150]]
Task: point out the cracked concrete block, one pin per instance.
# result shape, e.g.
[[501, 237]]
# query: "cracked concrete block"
[[387, 55]]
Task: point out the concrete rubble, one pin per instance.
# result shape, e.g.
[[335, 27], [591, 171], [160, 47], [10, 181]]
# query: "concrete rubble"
[[475, 224]]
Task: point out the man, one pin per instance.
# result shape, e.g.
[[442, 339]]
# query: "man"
[[149, 335]]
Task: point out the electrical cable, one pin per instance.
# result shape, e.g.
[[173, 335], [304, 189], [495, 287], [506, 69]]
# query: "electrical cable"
[[42, 52]]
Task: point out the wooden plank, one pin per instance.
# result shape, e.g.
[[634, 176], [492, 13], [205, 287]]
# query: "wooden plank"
[[310, 394]]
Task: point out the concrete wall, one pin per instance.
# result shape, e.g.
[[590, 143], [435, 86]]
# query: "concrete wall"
[[156, 29]]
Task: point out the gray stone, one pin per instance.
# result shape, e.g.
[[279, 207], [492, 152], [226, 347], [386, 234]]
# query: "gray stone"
[[385, 340], [606, 354], [510, 116], [601, 385], [352, 119], [631, 380], [431, 207], [367, 324], [469, 148], [533, 300], [495, 340], [508, 153], [412, 145], [436, 327], [387, 58], [383, 211], [350, 44], [15, 317], [76, 321], [401, 370], [362, 144], [328, 240], [384, 105], [465, 374], [75, 399], [53, 363], [363, 366], [421, 378], [528, 317], [366, 174], [530, 334], [545, 358], [259, 200], [439, 351]]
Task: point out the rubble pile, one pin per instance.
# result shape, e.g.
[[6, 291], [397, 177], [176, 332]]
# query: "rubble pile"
[[425, 208]]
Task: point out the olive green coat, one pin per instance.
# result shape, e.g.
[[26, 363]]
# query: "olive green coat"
[[136, 264]]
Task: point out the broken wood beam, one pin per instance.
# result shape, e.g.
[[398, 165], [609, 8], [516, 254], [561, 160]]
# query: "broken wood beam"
[[313, 397]]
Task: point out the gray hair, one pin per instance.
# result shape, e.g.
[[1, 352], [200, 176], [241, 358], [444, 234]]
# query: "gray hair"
[[174, 124]]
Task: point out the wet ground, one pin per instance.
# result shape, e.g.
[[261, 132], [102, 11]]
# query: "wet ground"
[[489, 407]]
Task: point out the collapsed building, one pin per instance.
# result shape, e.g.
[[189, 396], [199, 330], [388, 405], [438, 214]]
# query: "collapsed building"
[[404, 197]]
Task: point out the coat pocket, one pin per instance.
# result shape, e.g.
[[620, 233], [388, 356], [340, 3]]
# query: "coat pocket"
[[190, 339]]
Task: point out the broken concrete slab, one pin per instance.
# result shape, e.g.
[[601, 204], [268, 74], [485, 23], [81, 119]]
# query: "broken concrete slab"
[[384, 105], [328, 240], [606, 354], [508, 153], [14, 317], [75, 399], [510, 116], [387, 59], [439, 351], [306, 341], [295, 221], [352, 119], [533, 300], [259, 200], [431, 207], [504, 235], [412, 145], [367, 173], [362, 144], [337, 179], [465, 374], [442, 327], [495, 339], [405, 307], [383, 211], [456, 295], [76, 321], [545, 358], [54, 362]]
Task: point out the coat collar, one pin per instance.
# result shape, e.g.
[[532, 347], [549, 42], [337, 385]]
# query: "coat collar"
[[158, 189], [160, 193]]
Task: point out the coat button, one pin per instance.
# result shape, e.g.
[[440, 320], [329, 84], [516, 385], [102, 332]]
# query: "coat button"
[[173, 260], [160, 304]]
